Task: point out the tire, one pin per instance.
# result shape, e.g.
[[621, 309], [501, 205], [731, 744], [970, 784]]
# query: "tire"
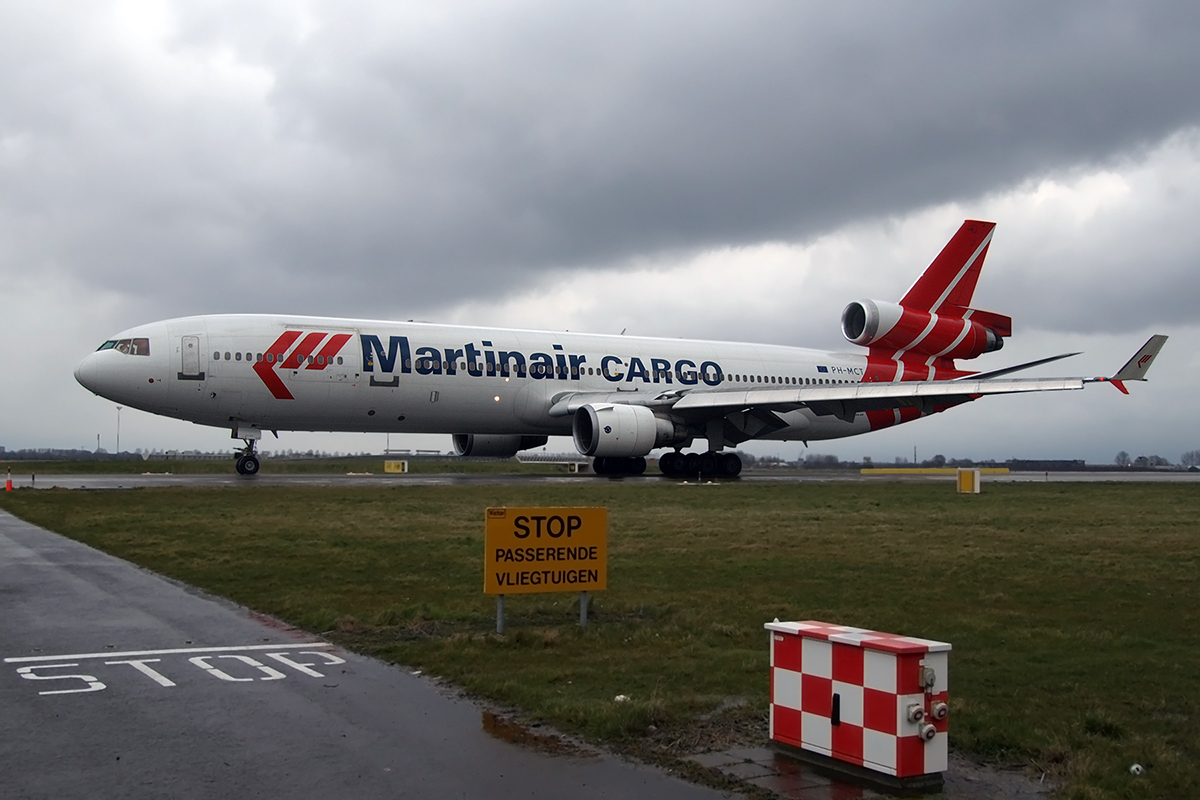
[[248, 465], [709, 463], [668, 464], [731, 465], [691, 464]]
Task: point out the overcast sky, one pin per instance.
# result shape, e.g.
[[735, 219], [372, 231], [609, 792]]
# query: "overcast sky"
[[699, 169]]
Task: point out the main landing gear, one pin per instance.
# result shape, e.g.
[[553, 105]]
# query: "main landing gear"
[[702, 465]]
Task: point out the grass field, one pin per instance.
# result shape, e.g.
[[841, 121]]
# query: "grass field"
[[1073, 609]]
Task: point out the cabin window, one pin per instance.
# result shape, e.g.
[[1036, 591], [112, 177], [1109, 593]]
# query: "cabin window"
[[340, 361], [238, 356]]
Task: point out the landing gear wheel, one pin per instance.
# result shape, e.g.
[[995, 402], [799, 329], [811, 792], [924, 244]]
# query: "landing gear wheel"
[[247, 461], [731, 465], [668, 464], [708, 464], [691, 464]]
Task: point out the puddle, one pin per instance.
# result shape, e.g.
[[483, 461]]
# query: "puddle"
[[507, 730], [795, 780]]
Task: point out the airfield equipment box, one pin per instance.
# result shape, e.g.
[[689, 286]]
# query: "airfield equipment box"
[[875, 701]]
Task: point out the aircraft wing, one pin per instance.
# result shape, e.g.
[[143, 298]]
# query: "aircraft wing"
[[845, 400]]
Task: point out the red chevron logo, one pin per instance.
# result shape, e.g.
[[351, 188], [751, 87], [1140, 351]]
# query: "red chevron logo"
[[278, 357]]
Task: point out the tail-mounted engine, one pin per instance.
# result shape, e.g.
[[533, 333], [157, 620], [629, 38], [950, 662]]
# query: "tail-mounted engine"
[[605, 429], [889, 326]]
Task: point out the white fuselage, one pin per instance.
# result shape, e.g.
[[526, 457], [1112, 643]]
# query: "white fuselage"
[[321, 374]]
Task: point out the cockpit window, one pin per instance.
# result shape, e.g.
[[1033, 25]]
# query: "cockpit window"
[[131, 347]]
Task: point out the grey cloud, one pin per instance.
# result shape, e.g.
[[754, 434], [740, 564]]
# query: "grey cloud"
[[396, 156]]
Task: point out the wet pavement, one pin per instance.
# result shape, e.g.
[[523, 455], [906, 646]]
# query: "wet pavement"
[[119, 683], [787, 777], [21, 480]]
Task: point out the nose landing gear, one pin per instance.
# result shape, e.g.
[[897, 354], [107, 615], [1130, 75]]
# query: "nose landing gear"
[[247, 462]]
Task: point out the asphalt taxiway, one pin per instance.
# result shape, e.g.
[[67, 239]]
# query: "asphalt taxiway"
[[22, 480], [116, 682], [149, 480]]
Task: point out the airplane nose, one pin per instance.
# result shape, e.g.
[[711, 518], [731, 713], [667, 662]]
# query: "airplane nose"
[[87, 373]]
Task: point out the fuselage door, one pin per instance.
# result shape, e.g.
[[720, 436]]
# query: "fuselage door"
[[189, 352]]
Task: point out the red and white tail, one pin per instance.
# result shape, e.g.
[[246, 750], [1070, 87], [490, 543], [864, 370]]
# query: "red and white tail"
[[951, 278], [933, 324]]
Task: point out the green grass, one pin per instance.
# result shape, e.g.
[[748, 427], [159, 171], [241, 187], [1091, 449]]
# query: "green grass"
[[1073, 609]]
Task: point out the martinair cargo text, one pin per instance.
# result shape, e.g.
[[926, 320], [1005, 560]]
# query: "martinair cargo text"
[[501, 391]]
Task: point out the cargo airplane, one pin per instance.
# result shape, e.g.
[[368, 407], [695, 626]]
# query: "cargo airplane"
[[499, 391]]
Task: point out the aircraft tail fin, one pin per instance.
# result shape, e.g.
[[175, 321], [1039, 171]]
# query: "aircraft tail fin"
[[952, 276]]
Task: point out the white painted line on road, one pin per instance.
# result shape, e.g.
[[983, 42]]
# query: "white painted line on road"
[[140, 666], [271, 673], [139, 653]]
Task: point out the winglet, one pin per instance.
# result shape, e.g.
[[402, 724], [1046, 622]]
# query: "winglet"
[[1135, 368]]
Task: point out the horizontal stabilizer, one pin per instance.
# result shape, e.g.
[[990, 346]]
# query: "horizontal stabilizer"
[[1007, 370]]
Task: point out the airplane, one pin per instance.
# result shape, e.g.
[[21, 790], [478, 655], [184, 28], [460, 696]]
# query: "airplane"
[[500, 391]]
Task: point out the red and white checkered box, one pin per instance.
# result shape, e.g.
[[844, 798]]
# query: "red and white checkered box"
[[876, 700]]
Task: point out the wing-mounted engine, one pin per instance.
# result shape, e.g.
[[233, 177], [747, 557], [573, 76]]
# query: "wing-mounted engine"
[[954, 332], [494, 446], [607, 429]]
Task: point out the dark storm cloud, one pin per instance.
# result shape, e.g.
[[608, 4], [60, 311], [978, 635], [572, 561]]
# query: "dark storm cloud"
[[350, 159]]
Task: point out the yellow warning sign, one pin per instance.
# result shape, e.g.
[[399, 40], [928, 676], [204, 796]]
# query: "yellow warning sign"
[[545, 550]]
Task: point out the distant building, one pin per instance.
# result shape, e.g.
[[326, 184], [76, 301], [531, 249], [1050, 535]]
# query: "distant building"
[[1048, 465]]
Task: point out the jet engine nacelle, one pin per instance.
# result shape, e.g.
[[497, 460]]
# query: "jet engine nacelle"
[[494, 446], [605, 429], [874, 323]]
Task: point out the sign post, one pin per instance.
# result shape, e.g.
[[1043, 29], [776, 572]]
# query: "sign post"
[[528, 550]]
